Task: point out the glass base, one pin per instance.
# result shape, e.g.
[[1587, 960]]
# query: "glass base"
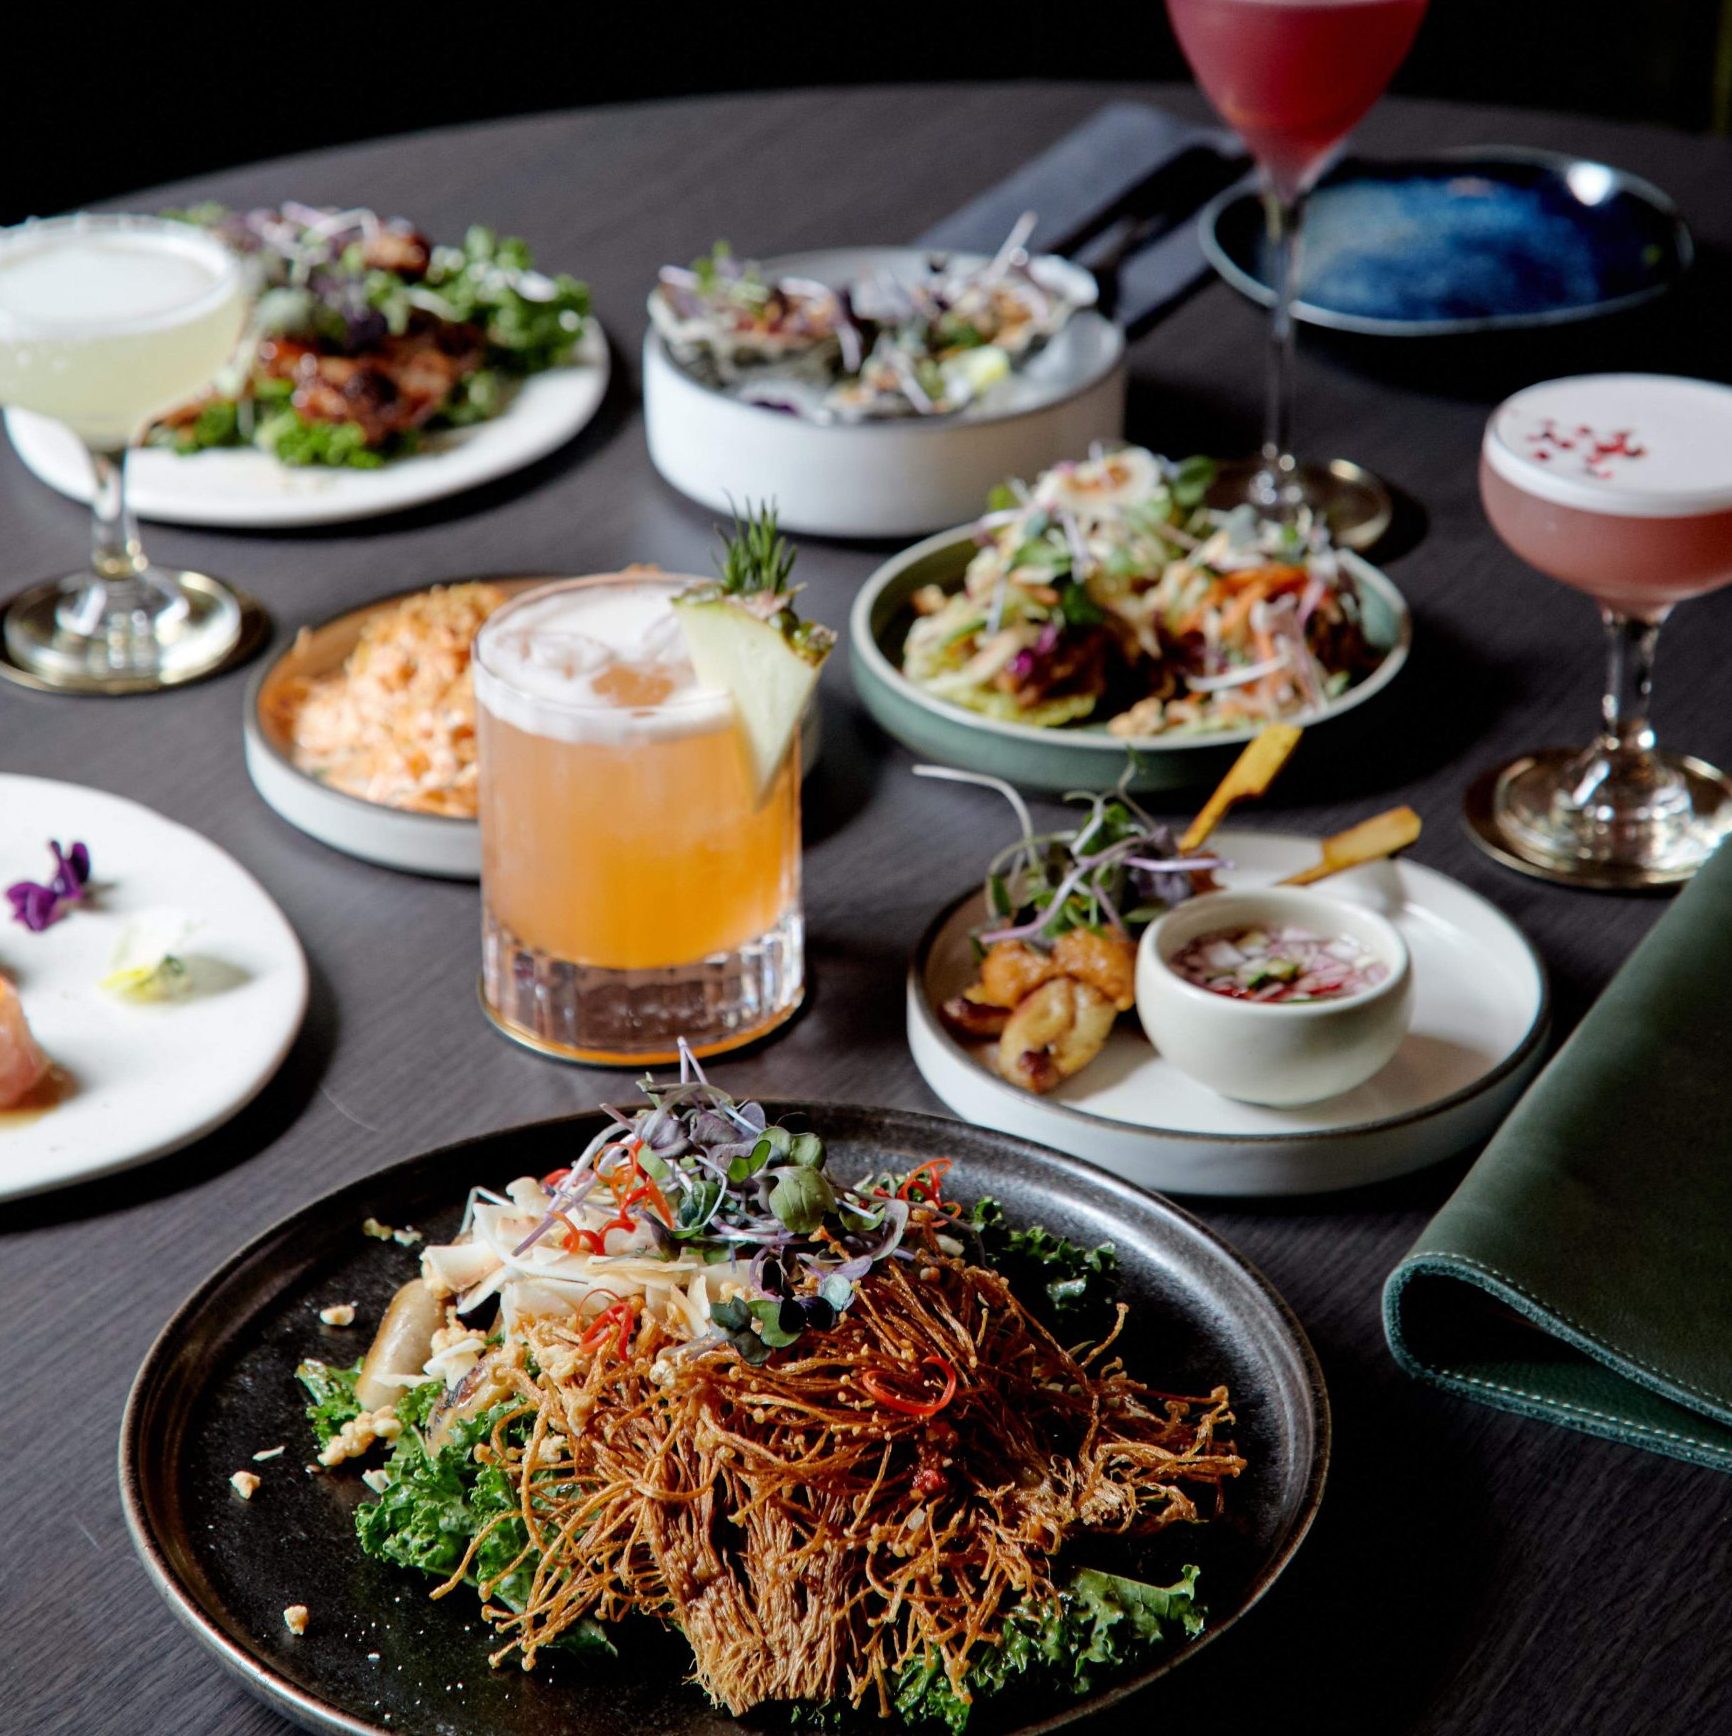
[[1531, 815], [1356, 507], [48, 647], [622, 1018]]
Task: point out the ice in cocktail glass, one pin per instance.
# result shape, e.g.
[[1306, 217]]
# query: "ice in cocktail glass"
[[640, 879], [1293, 78], [1620, 485], [105, 323]]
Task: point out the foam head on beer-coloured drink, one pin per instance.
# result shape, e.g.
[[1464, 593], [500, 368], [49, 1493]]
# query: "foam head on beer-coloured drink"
[[1619, 484]]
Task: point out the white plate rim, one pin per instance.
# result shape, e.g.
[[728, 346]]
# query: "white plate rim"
[[922, 1013], [486, 458], [295, 959], [865, 646]]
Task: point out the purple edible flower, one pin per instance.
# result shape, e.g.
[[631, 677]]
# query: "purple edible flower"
[[39, 906]]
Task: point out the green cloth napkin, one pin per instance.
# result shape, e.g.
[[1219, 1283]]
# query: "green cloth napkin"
[[1582, 1272]]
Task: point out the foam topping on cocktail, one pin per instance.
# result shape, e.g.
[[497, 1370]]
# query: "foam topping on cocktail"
[[1634, 445], [595, 662]]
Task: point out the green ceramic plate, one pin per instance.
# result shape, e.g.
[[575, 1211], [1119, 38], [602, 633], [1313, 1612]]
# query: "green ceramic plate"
[[1078, 756]]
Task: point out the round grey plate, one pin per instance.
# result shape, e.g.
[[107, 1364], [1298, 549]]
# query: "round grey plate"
[[379, 1658]]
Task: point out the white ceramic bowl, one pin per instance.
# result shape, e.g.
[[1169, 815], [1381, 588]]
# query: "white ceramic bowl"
[[901, 477], [1273, 1052]]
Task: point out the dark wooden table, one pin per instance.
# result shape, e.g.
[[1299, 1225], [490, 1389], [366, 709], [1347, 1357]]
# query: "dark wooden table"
[[1470, 1572]]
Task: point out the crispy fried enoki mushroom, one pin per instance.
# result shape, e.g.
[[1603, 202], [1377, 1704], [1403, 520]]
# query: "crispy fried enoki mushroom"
[[887, 1492], [1056, 1032]]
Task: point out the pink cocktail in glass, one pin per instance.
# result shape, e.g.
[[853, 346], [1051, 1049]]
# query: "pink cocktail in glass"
[[1621, 486], [1293, 78]]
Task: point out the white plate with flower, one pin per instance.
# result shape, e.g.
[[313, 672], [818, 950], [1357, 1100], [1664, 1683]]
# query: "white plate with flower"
[[135, 1075]]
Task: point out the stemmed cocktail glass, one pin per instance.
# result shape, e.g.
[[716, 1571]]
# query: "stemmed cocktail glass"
[[1620, 485], [105, 323], [1292, 78]]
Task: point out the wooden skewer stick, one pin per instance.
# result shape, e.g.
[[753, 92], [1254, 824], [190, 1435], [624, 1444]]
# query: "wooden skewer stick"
[[1250, 775], [1382, 835]]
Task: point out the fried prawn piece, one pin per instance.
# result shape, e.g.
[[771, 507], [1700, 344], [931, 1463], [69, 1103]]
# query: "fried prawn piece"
[[1054, 1033], [1103, 958], [1011, 971], [973, 1020]]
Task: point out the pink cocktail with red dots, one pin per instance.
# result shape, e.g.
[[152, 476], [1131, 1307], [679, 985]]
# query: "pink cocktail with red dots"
[[1621, 486], [1618, 484]]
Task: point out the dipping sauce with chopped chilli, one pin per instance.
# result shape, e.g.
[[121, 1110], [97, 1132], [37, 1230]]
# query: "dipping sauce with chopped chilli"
[[1279, 964]]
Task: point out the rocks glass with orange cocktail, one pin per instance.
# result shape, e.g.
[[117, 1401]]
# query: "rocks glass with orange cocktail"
[[640, 808]]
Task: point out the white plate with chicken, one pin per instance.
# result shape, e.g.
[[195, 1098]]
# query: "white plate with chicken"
[[149, 986], [242, 488], [1480, 1018], [381, 370]]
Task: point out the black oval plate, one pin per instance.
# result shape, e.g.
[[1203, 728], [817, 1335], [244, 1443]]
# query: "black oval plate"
[[379, 1658], [1464, 242]]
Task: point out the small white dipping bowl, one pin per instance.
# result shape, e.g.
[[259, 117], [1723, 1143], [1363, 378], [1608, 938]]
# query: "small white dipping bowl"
[[1274, 1052]]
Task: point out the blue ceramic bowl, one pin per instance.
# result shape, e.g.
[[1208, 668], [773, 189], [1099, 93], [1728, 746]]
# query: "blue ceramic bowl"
[[1465, 242]]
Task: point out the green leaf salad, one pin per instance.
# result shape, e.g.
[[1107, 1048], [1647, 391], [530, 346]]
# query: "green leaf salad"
[[839, 1434], [367, 336]]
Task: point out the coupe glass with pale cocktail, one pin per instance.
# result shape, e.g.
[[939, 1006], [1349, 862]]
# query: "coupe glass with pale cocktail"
[[1620, 485], [1292, 78], [640, 873], [105, 323]]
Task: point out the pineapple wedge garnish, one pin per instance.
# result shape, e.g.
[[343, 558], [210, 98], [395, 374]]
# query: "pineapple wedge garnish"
[[743, 634]]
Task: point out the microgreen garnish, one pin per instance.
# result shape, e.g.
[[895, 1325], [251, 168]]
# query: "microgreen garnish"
[[698, 1171], [38, 905], [1119, 869]]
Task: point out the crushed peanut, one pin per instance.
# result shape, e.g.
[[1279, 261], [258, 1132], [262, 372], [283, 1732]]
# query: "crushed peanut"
[[359, 1433], [269, 1453], [338, 1314], [295, 1618], [244, 1482]]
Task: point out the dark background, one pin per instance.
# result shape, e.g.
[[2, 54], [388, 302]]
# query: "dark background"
[[103, 101]]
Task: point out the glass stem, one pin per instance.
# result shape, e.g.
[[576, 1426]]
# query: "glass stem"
[[115, 554], [120, 604], [1277, 485], [1621, 782], [1630, 645]]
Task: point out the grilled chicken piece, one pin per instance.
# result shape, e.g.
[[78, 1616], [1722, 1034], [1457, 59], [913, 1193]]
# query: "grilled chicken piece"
[[395, 385], [404, 251], [1056, 1032]]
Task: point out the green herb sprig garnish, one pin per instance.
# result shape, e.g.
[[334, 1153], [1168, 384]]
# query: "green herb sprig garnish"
[[755, 569]]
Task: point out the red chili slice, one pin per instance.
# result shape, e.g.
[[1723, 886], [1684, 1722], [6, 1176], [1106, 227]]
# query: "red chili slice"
[[914, 1407]]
